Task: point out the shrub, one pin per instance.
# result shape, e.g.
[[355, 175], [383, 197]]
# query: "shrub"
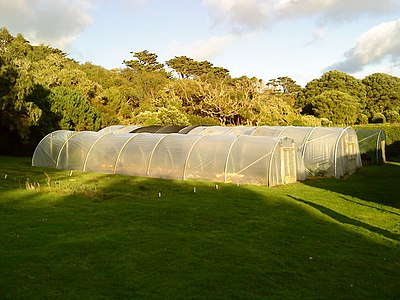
[[326, 122], [392, 116], [378, 118], [363, 119], [199, 120], [307, 120]]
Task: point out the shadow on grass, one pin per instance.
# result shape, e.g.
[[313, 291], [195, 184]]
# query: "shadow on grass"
[[345, 219], [376, 183], [370, 206], [113, 237]]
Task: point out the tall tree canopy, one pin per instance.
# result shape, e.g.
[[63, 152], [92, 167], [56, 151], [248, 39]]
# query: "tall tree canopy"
[[187, 67], [73, 110], [284, 85], [42, 90], [383, 96], [338, 107], [144, 61], [331, 81]]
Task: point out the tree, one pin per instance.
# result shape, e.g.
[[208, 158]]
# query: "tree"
[[17, 109], [145, 88], [144, 61], [56, 70], [105, 78], [74, 111], [284, 85], [23, 107], [5, 41], [331, 81], [378, 118], [286, 88], [48, 121], [147, 76], [119, 96], [217, 102], [116, 102], [246, 88], [220, 73], [383, 96], [182, 65], [29, 108], [187, 68], [12, 48], [8, 78], [269, 109], [163, 117], [338, 107]]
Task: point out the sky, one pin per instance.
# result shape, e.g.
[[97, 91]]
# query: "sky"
[[301, 39]]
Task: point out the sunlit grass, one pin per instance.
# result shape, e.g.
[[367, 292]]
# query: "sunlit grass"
[[97, 236]]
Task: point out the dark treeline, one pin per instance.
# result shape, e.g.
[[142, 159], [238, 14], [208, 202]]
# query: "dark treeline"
[[41, 90]]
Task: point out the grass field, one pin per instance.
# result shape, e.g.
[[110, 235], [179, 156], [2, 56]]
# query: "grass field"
[[97, 236]]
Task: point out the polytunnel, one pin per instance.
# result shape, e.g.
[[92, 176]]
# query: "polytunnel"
[[112, 128], [147, 129], [240, 159], [47, 154], [325, 151], [372, 145]]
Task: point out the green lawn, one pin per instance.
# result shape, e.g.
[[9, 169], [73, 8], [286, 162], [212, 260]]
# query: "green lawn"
[[97, 236]]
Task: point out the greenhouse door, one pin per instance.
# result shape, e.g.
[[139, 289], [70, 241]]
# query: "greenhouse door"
[[288, 165], [383, 151]]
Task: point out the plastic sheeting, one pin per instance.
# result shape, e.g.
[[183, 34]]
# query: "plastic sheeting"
[[241, 159], [119, 129], [146, 129], [50, 146], [372, 145], [325, 151]]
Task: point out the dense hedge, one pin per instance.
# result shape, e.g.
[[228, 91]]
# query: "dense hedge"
[[392, 132]]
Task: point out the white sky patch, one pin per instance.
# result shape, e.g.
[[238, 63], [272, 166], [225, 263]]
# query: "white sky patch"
[[379, 44], [56, 23], [210, 48], [133, 4], [319, 33], [239, 14], [203, 49], [334, 10], [243, 15]]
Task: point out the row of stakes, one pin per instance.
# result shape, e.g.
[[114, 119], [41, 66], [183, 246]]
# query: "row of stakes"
[[159, 193], [70, 174], [195, 190]]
